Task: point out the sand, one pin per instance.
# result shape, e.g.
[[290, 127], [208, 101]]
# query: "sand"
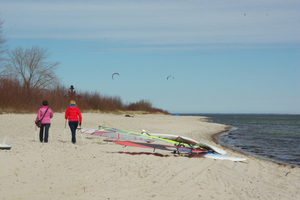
[[96, 169]]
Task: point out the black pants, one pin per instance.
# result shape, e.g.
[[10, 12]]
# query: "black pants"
[[73, 126], [47, 126]]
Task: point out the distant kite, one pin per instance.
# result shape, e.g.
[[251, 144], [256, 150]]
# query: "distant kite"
[[170, 77], [112, 76]]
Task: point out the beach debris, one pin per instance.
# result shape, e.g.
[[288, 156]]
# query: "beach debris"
[[129, 116]]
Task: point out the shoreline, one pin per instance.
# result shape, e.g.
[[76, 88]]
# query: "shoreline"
[[249, 154], [96, 169]]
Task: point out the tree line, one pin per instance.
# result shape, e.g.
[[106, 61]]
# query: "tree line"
[[27, 77]]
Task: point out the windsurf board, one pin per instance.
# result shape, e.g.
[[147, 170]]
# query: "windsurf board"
[[4, 146], [223, 157]]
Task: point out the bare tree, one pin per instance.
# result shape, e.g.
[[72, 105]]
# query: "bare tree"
[[31, 68], [2, 47]]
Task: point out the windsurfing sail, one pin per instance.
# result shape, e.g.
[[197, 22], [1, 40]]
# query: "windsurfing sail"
[[120, 135], [129, 138], [172, 137], [144, 136], [192, 152], [126, 135], [112, 76], [161, 147], [188, 141], [145, 140]]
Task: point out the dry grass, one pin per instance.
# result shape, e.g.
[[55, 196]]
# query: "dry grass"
[[14, 100]]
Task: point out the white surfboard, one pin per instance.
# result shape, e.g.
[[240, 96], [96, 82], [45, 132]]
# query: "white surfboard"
[[4, 146], [186, 139], [223, 157]]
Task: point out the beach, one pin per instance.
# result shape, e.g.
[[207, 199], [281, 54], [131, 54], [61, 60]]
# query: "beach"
[[96, 169]]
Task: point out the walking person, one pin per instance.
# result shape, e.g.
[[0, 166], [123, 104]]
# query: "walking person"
[[44, 114], [73, 114]]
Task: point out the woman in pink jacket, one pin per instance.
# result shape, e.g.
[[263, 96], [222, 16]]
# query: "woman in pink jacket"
[[48, 114], [74, 115]]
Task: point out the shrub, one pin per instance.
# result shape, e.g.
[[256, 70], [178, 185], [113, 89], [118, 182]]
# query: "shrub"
[[14, 99]]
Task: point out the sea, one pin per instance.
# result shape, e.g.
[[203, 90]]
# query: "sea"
[[267, 136]]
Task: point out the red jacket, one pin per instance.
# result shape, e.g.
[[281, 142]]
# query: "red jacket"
[[73, 114]]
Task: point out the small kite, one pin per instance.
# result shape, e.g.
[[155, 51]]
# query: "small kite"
[[112, 76], [170, 77]]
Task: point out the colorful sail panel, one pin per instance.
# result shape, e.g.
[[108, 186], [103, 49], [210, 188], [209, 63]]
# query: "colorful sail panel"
[[161, 147]]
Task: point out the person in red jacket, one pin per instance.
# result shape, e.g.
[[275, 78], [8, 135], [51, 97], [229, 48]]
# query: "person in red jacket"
[[73, 114]]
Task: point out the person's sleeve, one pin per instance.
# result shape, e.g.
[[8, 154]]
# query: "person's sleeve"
[[37, 116], [51, 113], [80, 116], [66, 114]]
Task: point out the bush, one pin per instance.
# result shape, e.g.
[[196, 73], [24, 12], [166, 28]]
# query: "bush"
[[15, 100]]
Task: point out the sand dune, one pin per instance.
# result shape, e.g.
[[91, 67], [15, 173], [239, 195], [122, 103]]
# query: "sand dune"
[[96, 169]]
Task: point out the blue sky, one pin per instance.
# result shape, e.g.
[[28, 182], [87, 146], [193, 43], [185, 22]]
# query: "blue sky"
[[225, 56]]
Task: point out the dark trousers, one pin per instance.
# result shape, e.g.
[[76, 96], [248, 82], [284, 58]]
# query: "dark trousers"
[[46, 126], [73, 126]]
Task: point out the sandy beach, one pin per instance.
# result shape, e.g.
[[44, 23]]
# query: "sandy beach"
[[96, 169]]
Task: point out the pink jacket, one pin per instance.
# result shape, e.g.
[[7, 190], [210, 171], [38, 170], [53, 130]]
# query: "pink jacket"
[[48, 115]]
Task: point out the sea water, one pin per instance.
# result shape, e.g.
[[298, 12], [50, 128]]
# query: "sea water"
[[271, 137]]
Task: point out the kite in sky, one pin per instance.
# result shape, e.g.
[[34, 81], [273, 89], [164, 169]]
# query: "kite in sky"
[[112, 76], [170, 77]]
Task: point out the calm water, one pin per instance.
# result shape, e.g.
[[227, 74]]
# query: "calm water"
[[271, 137]]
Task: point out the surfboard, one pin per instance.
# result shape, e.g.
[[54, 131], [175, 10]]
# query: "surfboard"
[[187, 140], [4, 146], [223, 157]]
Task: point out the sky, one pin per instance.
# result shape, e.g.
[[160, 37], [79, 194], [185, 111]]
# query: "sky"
[[228, 56]]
